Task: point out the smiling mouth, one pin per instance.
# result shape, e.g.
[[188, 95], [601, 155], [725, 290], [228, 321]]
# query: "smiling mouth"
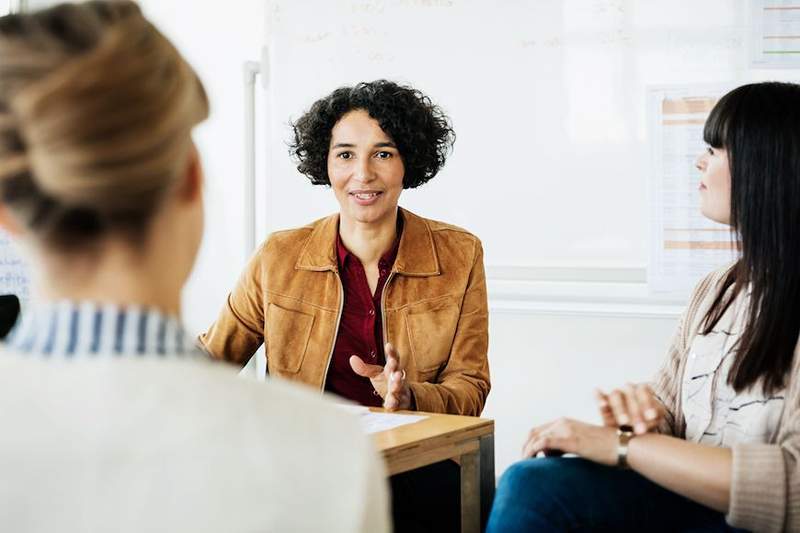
[[365, 195]]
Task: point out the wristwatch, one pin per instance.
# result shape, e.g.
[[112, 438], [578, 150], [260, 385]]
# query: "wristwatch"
[[625, 434]]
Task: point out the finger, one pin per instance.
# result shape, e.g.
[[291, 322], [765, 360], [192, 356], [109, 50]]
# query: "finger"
[[544, 442], [616, 400], [363, 369], [390, 351], [392, 399], [390, 402], [391, 355], [534, 435], [606, 413], [396, 383], [651, 407], [634, 410], [391, 365], [653, 411], [531, 448]]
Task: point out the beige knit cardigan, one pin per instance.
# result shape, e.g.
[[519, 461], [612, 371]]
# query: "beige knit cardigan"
[[765, 482]]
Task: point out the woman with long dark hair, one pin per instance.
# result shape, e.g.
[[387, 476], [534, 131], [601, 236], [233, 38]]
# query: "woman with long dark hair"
[[713, 443]]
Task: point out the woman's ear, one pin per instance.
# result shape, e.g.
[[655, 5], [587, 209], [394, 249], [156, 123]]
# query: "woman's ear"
[[9, 223], [192, 185]]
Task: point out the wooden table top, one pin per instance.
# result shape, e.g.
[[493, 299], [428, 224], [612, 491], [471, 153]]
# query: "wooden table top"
[[436, 429]]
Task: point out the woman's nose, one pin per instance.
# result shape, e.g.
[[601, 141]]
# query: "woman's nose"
[[364, 170], [699, 163]]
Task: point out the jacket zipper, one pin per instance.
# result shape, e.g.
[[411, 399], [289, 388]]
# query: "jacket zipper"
[[383, 308], [335, 330]]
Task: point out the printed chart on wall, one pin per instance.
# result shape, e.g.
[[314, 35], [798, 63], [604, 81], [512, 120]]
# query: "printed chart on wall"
[[13, 274], [775, 33], [684, 244]]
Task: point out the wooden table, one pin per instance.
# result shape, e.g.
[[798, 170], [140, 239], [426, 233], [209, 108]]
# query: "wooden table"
[[467, 440]]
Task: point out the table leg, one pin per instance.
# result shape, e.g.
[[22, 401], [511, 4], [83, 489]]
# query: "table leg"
[[487, 478], [470, 492]]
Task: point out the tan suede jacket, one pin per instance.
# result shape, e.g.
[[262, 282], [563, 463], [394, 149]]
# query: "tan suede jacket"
[[434, 311]]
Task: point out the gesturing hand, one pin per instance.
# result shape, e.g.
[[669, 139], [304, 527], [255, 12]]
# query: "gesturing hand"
[[633, 405], [389, 380]]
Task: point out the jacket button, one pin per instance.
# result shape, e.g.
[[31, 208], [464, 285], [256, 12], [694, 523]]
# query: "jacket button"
[[371, 312]]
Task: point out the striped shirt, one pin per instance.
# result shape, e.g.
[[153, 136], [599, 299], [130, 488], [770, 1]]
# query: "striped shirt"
[[68, 329], [714, 412]]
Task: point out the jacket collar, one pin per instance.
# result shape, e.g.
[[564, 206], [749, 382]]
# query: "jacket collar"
[[415, 257]]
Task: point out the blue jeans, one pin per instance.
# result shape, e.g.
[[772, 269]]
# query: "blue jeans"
[[572, 494]]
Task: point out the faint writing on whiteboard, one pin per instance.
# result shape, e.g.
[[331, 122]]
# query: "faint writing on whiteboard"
[[13, 272], [684, 244], [775, 33]]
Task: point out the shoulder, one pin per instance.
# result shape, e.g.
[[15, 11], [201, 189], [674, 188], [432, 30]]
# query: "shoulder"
[[284, 247], [708, 287], [287, 238], [443, 232], [701, 300], [449, 230]]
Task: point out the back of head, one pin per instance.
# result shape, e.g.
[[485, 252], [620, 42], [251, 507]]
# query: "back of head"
[[96, 109]]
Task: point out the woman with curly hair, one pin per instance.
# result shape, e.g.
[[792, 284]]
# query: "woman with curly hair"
[[374, 303]]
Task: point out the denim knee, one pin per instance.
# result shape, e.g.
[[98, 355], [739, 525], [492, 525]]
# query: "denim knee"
[[537, 494], [534, 478]]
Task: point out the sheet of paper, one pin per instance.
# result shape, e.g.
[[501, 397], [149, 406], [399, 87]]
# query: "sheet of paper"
[[684, 244], [775, 33], [375, 422]]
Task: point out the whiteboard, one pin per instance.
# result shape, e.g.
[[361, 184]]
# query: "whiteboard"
[[548, 99]]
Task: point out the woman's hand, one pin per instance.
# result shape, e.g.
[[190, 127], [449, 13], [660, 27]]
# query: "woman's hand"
[[596, 443], [634, 405], [389, 381]]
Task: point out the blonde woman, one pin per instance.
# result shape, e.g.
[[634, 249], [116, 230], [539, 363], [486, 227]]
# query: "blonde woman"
[[112, 420]]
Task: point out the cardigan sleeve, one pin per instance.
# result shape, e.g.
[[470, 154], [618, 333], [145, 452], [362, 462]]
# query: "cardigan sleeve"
[[765, 479], [667, 382]]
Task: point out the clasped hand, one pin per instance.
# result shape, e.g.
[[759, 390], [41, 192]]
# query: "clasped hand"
[[632, 405], [389, 380]]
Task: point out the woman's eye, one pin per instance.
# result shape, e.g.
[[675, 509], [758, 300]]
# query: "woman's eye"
[[384, 155], [710, 150], [344, 155]]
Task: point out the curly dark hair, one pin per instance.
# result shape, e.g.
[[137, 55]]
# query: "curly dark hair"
[[420, 129]]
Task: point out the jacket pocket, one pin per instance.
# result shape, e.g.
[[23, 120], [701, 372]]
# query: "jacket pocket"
[[430, 334], [287, 334]]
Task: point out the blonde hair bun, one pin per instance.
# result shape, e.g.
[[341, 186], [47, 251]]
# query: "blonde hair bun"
[[99, 105]]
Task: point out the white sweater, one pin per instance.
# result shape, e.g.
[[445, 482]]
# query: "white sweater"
[[166, 444]]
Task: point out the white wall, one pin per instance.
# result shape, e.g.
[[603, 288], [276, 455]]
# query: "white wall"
[[546, 357], [216, 38], [547, 365]]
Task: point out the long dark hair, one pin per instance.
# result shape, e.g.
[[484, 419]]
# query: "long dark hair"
[[759, 126]]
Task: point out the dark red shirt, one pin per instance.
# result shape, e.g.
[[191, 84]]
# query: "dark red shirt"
[[361, 326]]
